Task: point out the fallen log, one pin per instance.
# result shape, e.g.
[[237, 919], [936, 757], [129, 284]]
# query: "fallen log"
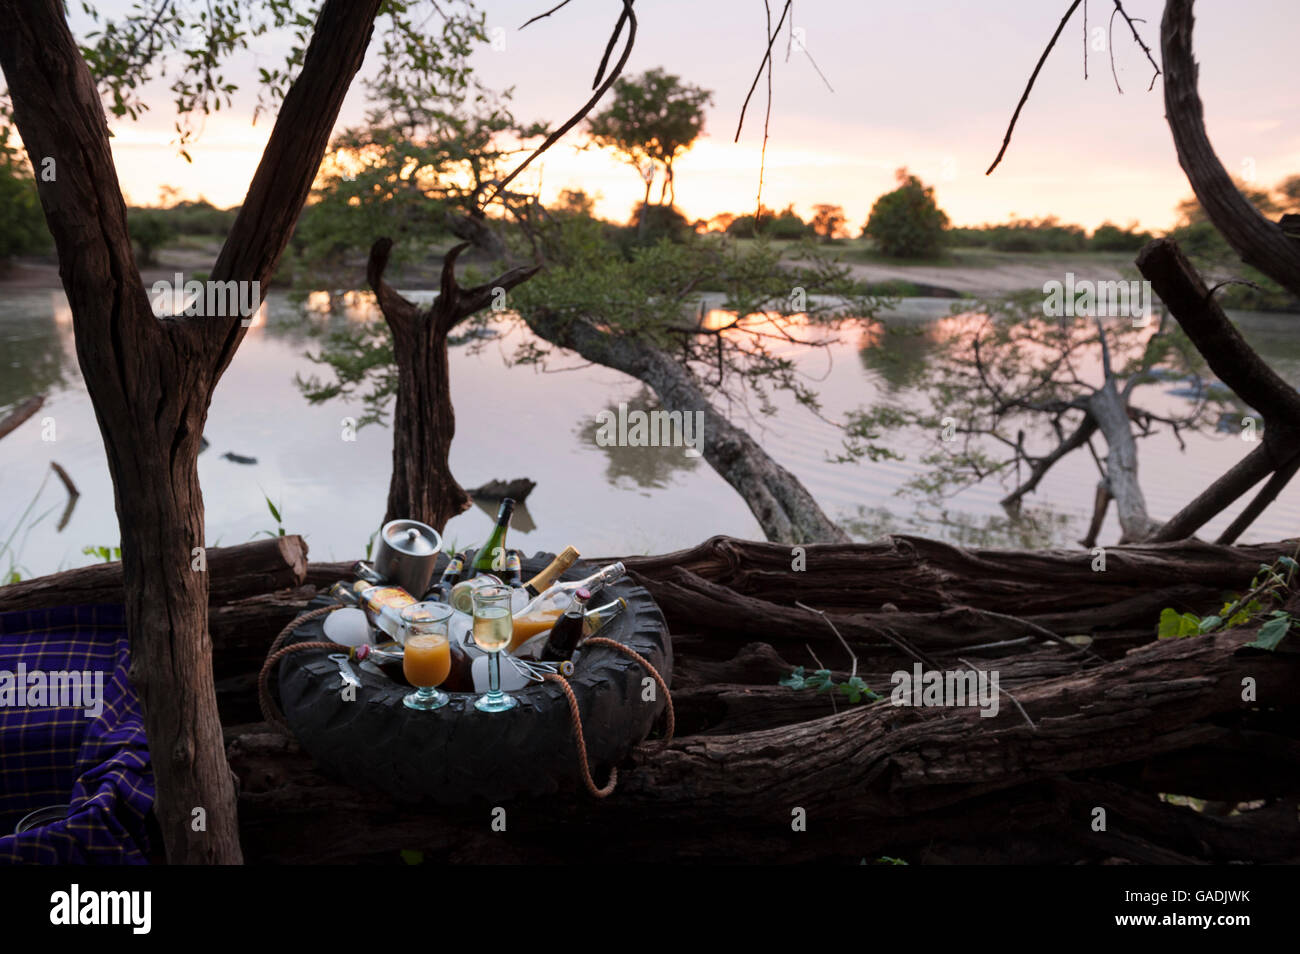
[[691, 602], [869, 779], [918, 574], [243, 629], [247, 569]]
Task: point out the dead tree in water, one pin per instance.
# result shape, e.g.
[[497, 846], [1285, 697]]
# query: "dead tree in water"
[[1260, 243], [422, 486]]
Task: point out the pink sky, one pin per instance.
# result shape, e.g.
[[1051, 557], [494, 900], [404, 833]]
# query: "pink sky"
[[929, 84]]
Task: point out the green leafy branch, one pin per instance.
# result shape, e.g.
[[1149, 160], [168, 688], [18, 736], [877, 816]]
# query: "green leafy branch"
[[823, 680], [1270, 585], [107, 554]]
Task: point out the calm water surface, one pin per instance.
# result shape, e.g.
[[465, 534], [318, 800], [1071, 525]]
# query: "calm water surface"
[[523, 422]]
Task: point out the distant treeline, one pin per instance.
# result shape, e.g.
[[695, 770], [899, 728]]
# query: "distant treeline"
[[1049, 235]]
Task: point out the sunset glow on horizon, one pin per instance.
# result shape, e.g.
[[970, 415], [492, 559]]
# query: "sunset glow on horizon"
[[1082, 152]]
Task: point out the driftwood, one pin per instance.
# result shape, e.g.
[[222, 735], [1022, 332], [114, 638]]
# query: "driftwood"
[[517, 489], [11, 421], [234, 573], [1116, 723], [73, 495]]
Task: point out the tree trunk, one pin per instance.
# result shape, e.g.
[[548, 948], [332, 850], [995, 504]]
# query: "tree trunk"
[[1108, 409], [151, 380], [645, 205], [1150, 716], [1258, 241], [1241, 368], [424, 421], [785, 509]]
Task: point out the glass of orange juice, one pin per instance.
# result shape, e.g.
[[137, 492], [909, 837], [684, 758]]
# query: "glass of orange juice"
[[426, 657]]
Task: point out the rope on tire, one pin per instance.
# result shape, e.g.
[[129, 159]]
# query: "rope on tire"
[[584, 761], [270, 711], [272, 714]]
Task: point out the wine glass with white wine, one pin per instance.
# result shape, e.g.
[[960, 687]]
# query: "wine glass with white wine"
[[493, 627]]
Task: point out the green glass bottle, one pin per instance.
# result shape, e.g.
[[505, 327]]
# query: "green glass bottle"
[[491, 556]]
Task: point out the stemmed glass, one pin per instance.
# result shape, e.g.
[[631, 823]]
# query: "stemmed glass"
[[493, 625], [426, 655]]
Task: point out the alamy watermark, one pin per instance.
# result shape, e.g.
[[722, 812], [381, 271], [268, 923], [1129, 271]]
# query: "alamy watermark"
[[205, 299], [1089, 299], [75, 907], [637, 428], [961, 687], [64, 689]]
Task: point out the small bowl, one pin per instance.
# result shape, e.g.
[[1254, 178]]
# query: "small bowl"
[[42, 816]]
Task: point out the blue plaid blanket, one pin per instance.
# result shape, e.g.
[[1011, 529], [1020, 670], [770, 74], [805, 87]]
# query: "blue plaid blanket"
[[71, 734]]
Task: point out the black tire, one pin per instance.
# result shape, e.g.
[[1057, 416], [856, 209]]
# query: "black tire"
[[457, 754]]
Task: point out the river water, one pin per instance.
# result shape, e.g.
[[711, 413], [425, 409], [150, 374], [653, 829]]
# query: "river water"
[[521, 421]]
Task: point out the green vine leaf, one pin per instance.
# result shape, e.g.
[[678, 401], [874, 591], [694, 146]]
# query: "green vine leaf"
[[1272, 632]]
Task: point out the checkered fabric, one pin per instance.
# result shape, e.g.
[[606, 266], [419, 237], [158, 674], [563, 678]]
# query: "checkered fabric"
[[98, 767]]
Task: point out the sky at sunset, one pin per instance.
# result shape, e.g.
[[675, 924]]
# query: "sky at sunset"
[[928, 84]]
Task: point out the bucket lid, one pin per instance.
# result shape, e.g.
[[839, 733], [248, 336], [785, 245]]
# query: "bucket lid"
[[412, 538], [42, 816]]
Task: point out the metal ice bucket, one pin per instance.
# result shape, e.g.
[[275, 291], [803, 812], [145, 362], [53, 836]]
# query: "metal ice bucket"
[[406, 553]]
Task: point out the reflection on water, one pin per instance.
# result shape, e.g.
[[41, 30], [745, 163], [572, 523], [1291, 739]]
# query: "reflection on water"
[[897, 354], [644, 467], [521, 421], [37, 346], [1035, 528]]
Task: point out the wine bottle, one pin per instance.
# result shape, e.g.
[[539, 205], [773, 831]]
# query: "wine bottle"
[[491, 556], [383, 605], [513, 572], [568, 629], [594, 620], [450, 577], [552, 572], [344, 593], [556, 599]]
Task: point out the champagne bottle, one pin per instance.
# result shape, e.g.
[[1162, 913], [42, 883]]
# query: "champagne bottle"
[[594, 620], [547, 577], [557, 598], [491, 556], [568, 630]]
